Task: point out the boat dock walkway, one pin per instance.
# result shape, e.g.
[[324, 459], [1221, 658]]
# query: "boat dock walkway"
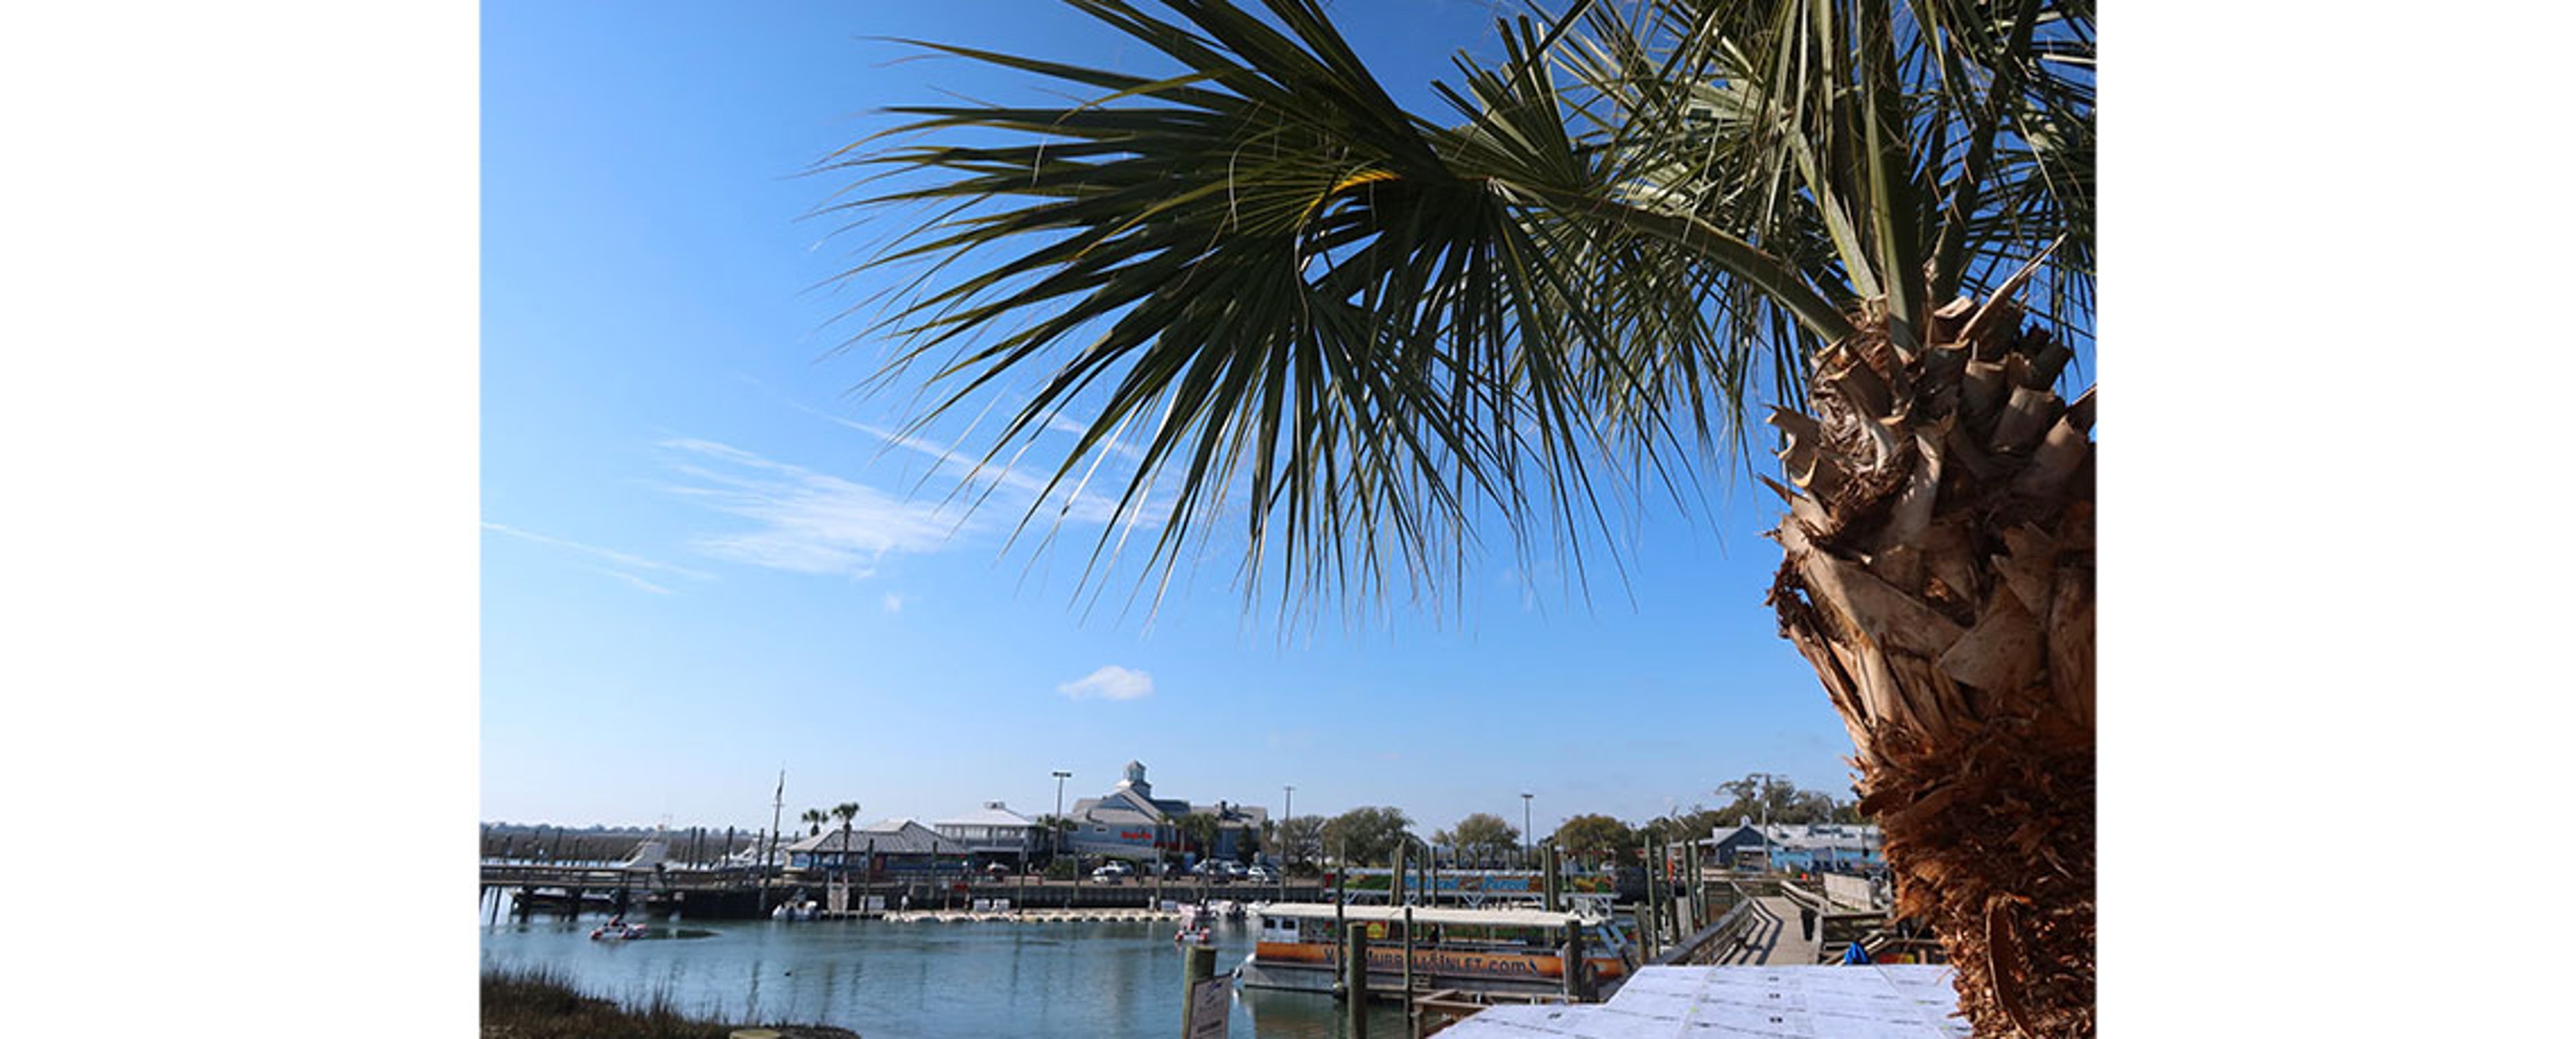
[[1776, 934], [1028, 916]]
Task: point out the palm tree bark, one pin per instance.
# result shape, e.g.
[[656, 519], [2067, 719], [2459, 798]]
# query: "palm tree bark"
[[1938, 574]]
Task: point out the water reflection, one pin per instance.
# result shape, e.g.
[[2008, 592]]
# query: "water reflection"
[[888, 980]]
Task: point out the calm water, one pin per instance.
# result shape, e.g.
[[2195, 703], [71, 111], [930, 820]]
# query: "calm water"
[[912, 981]]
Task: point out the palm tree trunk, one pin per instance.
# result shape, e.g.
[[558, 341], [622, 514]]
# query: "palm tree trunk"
[[1938, 574]]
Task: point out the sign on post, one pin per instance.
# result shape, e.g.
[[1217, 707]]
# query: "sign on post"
[[1210, 1003]]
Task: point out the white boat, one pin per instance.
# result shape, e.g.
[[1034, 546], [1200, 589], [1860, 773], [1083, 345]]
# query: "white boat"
[[797, 907], [617, 930], [1510, 951]]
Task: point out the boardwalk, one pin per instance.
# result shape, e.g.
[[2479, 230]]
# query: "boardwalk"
[[1776, 936]]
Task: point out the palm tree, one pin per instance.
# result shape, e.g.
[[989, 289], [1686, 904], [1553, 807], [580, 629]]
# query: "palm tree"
[[814, 818], [846, 812], [1264, 290]]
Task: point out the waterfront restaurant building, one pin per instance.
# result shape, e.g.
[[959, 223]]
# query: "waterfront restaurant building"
[[882, 847], [1792, 847], [1129, 822], [993, 833]]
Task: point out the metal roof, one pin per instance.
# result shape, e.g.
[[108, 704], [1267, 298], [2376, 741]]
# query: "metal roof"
[[992, 814], [888, 837], [1421, 914]]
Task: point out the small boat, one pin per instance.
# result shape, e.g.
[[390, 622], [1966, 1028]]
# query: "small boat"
[[807, 909], [1501, 951], [617, 930]]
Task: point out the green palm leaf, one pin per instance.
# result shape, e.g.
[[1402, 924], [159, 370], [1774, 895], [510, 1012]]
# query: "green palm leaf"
[[1269, 293]]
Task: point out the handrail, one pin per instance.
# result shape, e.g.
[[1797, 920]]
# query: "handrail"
[[1692, 949]]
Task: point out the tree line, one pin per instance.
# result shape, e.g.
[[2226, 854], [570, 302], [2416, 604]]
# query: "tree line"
[[1368, 836]]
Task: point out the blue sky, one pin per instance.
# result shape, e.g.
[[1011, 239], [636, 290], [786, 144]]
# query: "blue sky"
[[252, 608], [705, 559]]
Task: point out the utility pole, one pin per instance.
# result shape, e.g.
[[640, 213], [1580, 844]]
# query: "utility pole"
[[1287, 806], [1056, 846]]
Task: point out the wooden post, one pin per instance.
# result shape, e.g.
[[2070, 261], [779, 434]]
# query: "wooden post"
[[1698, 890], [1575, 987], [1399, 877], [1551, 878], [1395, 877], [1654, 908], [1682, 901], [1198, 963], [1645, 931], [1409, 1014], [1690, 884], [1355, 979], [1431, 885], [1664, 916], [1662, 888]]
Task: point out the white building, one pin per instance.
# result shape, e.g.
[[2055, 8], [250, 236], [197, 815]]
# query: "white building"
[[994, 833]]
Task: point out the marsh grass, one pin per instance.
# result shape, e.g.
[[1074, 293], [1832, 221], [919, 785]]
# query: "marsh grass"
[[542, 1003]]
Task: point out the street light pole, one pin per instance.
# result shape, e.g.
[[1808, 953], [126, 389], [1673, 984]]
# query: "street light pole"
[[1287, 811], [1056, 846]]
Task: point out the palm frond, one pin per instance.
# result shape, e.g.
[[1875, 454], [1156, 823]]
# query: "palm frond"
[[1362, 333]]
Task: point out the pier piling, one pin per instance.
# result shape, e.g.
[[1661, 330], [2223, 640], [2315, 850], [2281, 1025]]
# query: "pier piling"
[[1577, 987], [1198, 963], [1355, 980], [1552, 878]]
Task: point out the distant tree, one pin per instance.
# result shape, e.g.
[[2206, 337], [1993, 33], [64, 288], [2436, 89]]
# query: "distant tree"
[[1594, 839], [1055, 827], [1696, 824], [1482, 838], [1758, 797], [1301, 839], [814, 817], [1366, 836], [1199, 829]]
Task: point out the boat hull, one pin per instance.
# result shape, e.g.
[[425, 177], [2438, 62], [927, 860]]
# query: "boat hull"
[[1304, 967]]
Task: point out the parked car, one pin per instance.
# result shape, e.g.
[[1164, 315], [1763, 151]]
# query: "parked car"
[[1262, 874], [1113, 872]]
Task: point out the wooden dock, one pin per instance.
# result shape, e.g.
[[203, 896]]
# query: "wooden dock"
[[712, 895]]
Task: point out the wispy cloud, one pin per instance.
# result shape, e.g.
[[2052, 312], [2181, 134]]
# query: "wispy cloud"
[[893, 602], [1110, 683], [805, 521], [624, 561], [638, 582], [1070, 500]]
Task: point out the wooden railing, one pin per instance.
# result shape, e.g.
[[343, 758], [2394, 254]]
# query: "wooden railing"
[[1712, 942]]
